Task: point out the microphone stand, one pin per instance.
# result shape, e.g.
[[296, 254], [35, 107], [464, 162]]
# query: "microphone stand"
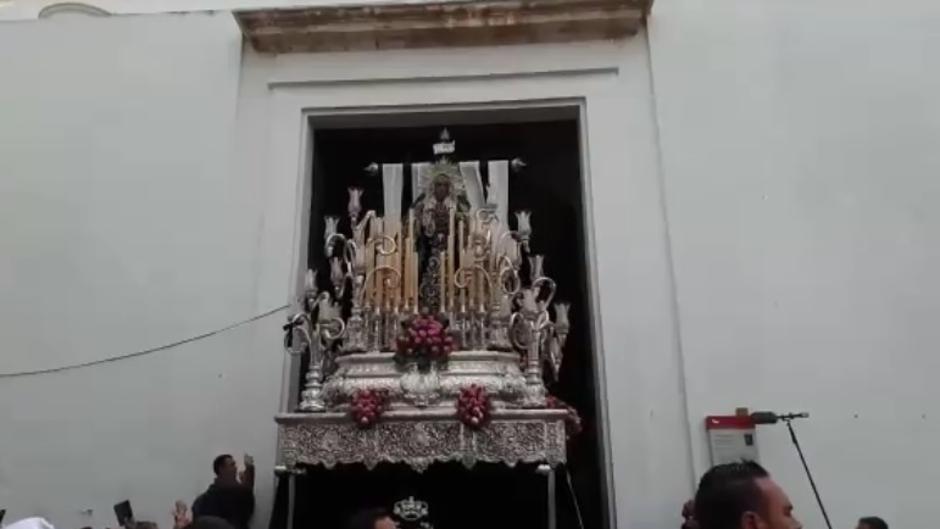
[[812, 482]]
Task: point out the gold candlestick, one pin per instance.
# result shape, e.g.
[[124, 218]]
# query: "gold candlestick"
[[412, 261], [410, 256], [415, 284], [379, 261], [480, 296], [443, 281], [400, 268], [461, 259], [405, 270], [450, 259], [496, 236], [370, 263]]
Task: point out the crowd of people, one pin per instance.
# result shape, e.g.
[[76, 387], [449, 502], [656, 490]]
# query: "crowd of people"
[[228, 503], [729, 496]]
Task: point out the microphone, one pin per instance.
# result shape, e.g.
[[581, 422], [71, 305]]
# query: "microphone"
[[769, 417]]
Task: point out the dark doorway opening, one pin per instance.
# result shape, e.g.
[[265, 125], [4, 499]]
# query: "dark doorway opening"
[[550, 186]]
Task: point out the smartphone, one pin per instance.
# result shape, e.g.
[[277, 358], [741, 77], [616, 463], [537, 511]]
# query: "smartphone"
[[123, 512]]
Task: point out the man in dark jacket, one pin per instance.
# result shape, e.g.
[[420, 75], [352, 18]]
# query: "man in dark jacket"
[[231, 497]]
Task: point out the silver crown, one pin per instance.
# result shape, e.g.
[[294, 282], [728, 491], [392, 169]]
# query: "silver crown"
[[411, 510], [445, 146]]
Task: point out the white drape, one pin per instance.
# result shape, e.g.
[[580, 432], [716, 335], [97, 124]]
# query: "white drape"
[[392, 185], [498, 190], [473, 182], [419, 175]]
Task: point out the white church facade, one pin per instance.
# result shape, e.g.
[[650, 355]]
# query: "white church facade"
[[753, 188]]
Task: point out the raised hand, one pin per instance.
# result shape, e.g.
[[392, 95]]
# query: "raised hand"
[[247, 476], [181, 516]]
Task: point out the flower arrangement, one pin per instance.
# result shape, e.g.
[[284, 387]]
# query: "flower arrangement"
[[474, 406], [367, 406], [573, 421], [424, 340]]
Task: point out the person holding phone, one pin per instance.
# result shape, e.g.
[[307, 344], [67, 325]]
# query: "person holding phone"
[[231, 496]]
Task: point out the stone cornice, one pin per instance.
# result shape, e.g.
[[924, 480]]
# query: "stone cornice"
[[436, 24]]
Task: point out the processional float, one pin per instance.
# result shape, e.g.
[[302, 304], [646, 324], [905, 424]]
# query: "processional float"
[[430, 331]]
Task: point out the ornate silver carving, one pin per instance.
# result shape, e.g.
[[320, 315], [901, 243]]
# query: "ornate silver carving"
[[413, 511], [455, 261], [419, 388], [497, 372], [419, 438], [314, 329]]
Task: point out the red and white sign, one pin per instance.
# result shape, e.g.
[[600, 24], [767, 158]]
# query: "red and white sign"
[[731, 438]]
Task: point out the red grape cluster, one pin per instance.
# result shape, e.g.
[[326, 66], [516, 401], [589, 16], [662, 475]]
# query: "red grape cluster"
[[368, 405], [473, 406], [572, 421], [424, 340]]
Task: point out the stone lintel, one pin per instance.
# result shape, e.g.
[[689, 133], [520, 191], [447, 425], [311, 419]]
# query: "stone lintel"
[[439, 24]]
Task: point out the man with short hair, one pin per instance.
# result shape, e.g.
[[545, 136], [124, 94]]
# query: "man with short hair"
[[872, 522], [742, 496], [231, 496]]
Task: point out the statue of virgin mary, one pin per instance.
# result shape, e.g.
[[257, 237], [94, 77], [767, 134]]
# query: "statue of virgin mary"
[[437, 210]]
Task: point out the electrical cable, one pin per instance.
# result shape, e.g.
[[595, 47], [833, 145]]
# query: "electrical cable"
[[135, 354]]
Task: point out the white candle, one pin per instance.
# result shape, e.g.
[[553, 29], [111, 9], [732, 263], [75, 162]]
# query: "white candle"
[[442, 274], [561, 315], [332, 223], [536, 269], [359, 259], [405, 269], [398, 261], [523, 222], [412, 267], [450, 259], [355, 204], [461, 261], [481, 299], [370, 262], [336, 271], [512, 252], [380, 261]]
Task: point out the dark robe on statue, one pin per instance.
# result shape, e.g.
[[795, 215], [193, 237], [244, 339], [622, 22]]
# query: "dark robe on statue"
[[433, 209]]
